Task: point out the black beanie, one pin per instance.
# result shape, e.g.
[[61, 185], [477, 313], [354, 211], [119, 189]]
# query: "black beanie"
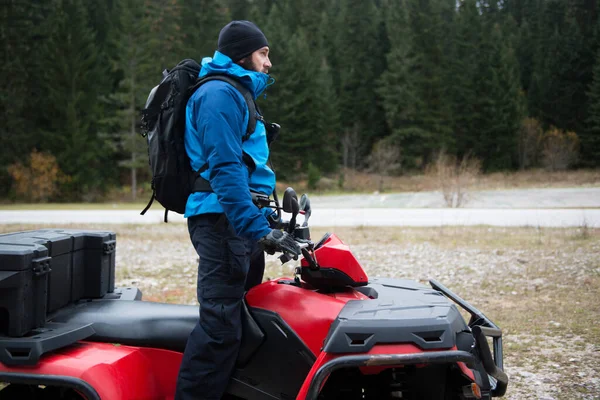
[[239, 39]]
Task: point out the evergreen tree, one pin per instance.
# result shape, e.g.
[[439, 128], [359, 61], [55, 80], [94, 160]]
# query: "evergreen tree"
[[104, 17], [525, 54], [464, 69], [557, 92], [564, 107], [260, 12], [307, 15], [70, 82], [134, 63], [501, 106], [327, 117], [166, 40], [239, 9], [396, 85], [300, 140], [301, 100], [277, 32], [515, 8], [359, 60], [21, 36], [590, 138], [327, 32], [430, 29], [202, 21], [527, 14]]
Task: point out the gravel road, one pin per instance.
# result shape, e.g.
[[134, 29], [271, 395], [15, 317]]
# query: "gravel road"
[[512, 199], [530, 207], [340, 217]]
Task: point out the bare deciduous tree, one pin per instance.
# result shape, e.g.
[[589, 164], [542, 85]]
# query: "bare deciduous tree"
[[384, 159], [454, 177], [560, 149], [350, 146], [530, 142]]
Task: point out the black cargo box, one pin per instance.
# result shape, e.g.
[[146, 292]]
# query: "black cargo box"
[[81, 265], [93, 263], [24, 270]]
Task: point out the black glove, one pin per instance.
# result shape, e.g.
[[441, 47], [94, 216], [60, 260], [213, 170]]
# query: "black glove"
[[281, 241]]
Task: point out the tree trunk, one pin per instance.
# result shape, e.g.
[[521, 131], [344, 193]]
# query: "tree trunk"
[[133, 120]]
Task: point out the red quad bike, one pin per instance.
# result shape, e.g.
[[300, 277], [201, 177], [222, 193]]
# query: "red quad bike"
[[329, 332]]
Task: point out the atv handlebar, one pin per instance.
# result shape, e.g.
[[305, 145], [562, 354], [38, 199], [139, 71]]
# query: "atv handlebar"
[[306, 246]]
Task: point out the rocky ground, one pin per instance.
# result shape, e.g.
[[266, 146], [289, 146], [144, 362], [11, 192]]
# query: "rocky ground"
[[541, 286]]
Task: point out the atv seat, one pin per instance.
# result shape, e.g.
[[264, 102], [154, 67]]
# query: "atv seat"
[[149, 324]]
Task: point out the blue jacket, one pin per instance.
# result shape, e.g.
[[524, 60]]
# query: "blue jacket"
[[216, 120]]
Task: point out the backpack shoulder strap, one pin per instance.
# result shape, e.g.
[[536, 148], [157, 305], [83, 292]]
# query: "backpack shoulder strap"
[[252, 107]]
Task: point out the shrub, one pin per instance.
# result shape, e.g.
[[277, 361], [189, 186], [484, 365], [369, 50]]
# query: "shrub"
[[39, 179], [314, 175], [384, 159], [560, 149], [341, 180], [454, 176]]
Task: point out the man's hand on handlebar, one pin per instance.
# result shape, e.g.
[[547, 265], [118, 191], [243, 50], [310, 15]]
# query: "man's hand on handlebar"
[[278, 240]]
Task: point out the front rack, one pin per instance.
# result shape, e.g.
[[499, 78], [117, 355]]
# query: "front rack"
[[437, 357], [482, 328]]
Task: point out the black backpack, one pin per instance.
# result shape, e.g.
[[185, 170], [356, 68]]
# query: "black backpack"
[[163, 125]]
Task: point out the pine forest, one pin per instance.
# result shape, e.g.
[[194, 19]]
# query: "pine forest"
[[514, 84]]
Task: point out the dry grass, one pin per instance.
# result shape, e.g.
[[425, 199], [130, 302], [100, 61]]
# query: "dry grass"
[[541, 286], [362, 182], [535, 178]]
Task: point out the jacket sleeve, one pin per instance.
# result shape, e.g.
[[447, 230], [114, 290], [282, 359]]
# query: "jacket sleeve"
[[221, 125]]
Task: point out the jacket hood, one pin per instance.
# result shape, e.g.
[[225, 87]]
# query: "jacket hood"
[[256, 82]]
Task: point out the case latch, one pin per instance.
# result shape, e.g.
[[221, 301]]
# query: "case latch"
[[41, 266], [109, 246]]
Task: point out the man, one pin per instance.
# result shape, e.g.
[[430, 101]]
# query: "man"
[[228, 231]]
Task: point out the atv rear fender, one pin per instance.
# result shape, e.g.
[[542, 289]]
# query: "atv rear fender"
[[103, 371]]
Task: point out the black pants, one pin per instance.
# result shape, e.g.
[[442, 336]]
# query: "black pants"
[[229, 266]]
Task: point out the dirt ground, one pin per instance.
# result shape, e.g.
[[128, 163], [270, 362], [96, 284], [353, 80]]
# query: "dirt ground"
[[541, 286]]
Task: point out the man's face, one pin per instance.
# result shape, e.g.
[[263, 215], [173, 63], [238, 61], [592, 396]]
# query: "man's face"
[[258, 61]]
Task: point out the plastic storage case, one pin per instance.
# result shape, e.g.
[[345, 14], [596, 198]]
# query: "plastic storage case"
[[24, 270], [44, 270]]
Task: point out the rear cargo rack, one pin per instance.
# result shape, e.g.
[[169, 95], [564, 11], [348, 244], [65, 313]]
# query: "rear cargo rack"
[[27, 350]]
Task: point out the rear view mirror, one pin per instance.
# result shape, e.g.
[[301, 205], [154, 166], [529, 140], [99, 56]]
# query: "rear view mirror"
[[290, 205], [305, 204], [290, 201]]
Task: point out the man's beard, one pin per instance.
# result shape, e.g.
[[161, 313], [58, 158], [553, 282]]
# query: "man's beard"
[[248, 64]]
